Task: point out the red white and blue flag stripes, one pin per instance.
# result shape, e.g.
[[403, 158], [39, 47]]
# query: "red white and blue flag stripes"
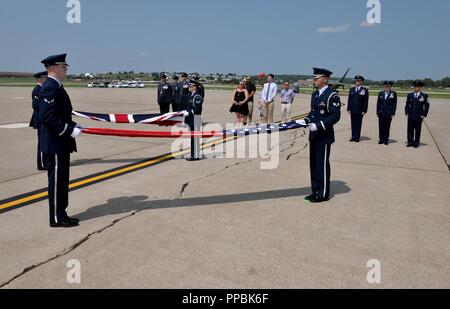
[[266, 129], [167, 120]]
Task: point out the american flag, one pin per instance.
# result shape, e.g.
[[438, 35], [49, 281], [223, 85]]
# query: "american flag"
[[166, 120], [264, 129]]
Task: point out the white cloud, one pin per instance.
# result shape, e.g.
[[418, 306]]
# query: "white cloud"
[[336, 29], [366, 24]]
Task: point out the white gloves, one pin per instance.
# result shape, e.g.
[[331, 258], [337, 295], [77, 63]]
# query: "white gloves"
[[312, 127], [185, 113], [76, 132], [301, 122]]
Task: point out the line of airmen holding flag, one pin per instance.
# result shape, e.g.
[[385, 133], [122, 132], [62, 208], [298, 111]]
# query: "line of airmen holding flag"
[[52, 118]]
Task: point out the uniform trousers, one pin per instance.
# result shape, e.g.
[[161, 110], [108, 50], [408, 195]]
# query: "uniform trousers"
[[319, 162]]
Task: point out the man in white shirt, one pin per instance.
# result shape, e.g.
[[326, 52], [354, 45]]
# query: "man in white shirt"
[[267, 98]]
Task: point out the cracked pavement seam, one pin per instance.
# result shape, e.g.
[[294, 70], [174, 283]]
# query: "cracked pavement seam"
[[182, 190]]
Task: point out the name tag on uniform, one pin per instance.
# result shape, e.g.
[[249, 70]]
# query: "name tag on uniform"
[[363, 92], [422, 99]]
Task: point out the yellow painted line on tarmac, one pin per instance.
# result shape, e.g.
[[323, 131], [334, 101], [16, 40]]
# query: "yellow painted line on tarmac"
[[41, 195]]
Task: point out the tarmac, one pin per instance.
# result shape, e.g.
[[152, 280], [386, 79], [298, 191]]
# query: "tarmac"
[[227, 223]]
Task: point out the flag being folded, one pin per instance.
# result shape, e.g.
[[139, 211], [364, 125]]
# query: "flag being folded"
[[166, 120]]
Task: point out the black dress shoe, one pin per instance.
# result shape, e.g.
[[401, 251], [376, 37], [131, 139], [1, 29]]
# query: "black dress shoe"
[[409, 145], [380, 142], [386, 143], [352, 140], [192, 159], [356, 140], [73, 219], [64, 224], [416, 146], [310, 197], [320, 200]]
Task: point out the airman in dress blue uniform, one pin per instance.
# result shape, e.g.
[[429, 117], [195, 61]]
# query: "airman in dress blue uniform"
[[386, 108], [200, 87], [193, 118], [417, 107], [182, 94], [164, 94], [358, 102], [34, 122], [57, 133], [175, 89], [325, 113]]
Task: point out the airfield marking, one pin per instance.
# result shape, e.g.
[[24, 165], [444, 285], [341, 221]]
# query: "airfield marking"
[[42, 194], [15, 126]]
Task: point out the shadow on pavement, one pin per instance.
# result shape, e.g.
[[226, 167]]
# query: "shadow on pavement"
[[141, 202]]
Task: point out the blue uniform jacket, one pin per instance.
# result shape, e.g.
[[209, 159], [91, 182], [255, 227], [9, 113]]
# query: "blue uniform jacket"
[[416, 108], [325, 113], [387, 106], [55, 119], [195, 104], [182, 93], [358, 102], [165, 93], [34, 123]]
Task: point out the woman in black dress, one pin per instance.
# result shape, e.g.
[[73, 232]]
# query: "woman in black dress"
[[240, 105]]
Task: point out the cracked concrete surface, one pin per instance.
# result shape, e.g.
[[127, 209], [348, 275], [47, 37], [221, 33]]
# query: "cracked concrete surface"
[[225, 223]]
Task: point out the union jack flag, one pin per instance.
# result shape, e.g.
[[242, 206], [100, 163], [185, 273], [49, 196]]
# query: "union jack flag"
[[166, 120]]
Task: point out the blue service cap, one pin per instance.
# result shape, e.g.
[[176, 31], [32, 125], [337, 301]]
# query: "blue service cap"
[[55, 60], [418, 83], [193, 82], [40, 74], [359, 77], [318, 72]]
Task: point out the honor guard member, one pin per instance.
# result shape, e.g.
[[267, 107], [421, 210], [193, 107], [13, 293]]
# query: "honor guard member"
[[164, 94], [57, 133], [175, 90], [358, 102], [194, 119], [201, 88], [386, 107], [34, 123], [417, 107], [183, 94], [325, 113]]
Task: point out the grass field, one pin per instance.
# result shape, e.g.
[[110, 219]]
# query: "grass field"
[[29, 82]]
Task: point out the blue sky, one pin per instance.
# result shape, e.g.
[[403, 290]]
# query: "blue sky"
[[246, 36]]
